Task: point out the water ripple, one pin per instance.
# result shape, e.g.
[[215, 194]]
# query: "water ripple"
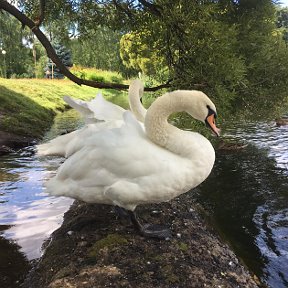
[[271, 217], [272, 241], [265, 136]]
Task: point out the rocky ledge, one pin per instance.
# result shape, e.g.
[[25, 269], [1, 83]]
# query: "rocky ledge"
[[93, 248], [10, 142]]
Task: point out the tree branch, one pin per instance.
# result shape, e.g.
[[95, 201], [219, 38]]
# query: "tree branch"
[[153, 8], [40, 18], [53, 56], [121, 8]]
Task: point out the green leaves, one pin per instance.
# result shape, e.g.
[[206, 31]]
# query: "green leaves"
[[231, 50]]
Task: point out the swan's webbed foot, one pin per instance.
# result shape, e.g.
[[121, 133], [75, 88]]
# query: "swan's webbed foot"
[[150, 230], [155, 231], [147, 230]]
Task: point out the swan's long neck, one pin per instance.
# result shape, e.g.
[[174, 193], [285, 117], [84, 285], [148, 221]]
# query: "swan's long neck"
[[156, 121], [164, 134], [135, 93]]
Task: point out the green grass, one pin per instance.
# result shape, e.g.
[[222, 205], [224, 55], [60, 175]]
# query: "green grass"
[[28, 106], [97, 74]]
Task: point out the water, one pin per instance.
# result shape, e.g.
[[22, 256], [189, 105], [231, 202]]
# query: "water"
[[27, 215], [246, 194]]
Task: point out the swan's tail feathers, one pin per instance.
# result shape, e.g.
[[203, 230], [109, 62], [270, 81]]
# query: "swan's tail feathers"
[[54, 187], [79, 105], [70, 188], [67, 188], [55, 147]]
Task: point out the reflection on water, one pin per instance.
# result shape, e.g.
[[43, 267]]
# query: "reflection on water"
[[247, 194], [27, 215], [35, 223], [267, 136]]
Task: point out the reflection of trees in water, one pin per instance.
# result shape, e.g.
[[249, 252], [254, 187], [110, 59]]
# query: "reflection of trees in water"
[[240, 186], [14, 266], [6, 174], [67, 121], [231, 193]]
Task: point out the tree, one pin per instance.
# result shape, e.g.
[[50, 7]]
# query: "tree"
[[136, 53], [64, 55], [263, 51], [282, 23], [34, 26], [18, 57], [105, 52], [228, 48]]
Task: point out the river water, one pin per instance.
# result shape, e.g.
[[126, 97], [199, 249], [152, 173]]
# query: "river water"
[[27, 215], [246, 195]]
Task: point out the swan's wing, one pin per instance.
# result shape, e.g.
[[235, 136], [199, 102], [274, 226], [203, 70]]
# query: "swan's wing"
[[120, 166], [105, 110], [115, 133], [132, 125], [86, 133], [96, 109], [68, 144], [81, 107]]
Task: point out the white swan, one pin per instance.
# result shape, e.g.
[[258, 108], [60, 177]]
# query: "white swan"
[[99, 114], [127, 166], [98, 109]]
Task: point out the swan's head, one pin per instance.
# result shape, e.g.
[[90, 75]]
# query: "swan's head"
[[210, 121], [203, 109]]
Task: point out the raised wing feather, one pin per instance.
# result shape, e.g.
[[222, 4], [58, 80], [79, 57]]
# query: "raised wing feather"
[[96, 109]]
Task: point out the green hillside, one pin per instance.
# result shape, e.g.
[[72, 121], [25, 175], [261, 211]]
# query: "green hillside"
[[28, 106]]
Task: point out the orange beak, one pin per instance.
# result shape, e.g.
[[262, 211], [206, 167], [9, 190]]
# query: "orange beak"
[[210, 121]]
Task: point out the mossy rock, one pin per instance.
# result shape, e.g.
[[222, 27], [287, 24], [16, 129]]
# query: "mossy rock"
[[168, 274], [111, 241], [183, 246]]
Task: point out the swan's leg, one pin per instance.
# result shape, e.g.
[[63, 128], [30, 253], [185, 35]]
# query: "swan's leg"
[[121, 212], [147, 230], [150, 230], [122, 215]]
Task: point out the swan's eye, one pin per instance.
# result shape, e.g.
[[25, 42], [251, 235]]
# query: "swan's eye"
[[211, 111]]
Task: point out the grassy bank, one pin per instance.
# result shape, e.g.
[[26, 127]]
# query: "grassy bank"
[[28, 106]]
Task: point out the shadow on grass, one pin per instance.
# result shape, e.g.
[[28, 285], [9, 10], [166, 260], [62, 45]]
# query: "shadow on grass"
[[20, 115]]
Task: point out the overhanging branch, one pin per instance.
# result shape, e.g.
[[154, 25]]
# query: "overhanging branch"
[[53, 56], [41, 12], [153, 8]]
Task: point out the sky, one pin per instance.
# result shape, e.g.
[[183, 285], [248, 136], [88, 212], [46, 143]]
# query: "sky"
[[284, 3]]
